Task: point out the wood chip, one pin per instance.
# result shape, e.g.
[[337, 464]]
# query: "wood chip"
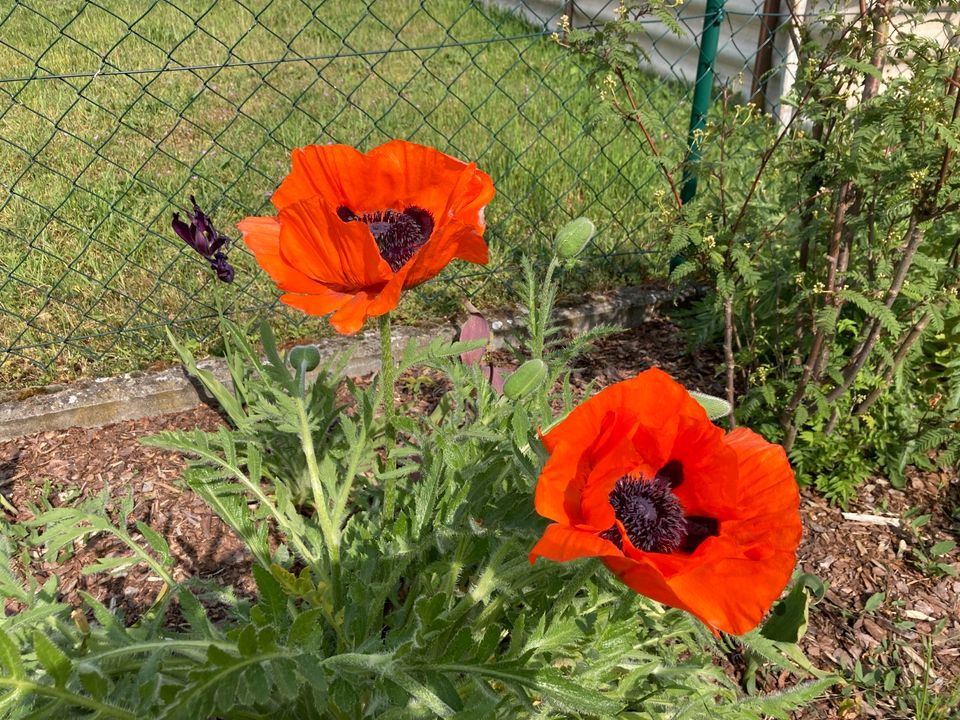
[[871, 519]]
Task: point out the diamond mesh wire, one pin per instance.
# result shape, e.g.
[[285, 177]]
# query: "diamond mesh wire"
[[113, 112]]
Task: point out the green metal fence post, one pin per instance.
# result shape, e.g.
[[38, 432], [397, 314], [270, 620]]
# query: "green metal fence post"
[[702, 91]]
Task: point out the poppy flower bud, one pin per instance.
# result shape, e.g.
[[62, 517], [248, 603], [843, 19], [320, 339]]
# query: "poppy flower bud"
[[573, 237], [527, 378], [304, 358]]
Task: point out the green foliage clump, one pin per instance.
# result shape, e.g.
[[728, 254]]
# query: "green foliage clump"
[[829, 242], [431, 611]]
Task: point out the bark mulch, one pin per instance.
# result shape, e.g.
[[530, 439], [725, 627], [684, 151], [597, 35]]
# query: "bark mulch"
[[857, 559]]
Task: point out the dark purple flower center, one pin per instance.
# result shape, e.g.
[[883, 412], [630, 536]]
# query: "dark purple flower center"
[[652, 515], [398, 234]]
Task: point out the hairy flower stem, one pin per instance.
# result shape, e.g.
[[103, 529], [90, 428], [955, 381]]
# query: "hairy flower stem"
[[331, 535], [387, 381]]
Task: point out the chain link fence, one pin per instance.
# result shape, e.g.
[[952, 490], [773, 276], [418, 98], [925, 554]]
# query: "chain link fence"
[[113, 112]]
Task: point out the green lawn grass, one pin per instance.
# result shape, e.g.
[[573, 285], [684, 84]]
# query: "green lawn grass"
[[92, 167]]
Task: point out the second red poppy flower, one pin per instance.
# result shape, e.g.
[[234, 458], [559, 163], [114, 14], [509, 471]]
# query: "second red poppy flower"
[[687, 515]]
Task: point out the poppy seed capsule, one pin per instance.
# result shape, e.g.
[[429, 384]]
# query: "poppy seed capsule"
[[573, 237], [527, 378], [304, 358]]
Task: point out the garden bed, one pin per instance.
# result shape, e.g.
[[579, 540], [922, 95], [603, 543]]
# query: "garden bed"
[[856, 557]]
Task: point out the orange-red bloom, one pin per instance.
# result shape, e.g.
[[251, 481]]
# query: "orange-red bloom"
[[353, 230], [682, 513]]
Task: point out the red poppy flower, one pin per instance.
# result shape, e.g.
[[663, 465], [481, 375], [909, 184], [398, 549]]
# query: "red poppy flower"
[[353, 230], [687, 515]]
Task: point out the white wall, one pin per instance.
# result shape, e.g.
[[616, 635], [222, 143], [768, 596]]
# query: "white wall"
[[676, 57]]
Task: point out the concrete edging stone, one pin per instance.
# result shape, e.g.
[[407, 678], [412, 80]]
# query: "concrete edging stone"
[[102, 401]]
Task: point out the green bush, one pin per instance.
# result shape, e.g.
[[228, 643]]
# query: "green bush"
[[830, 244]]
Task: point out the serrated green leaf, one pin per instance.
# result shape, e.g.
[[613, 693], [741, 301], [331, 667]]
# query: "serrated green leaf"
[[93, 680], [109, 564], [716, 407], [874, 601], [10, 657], [420, 692], [942, 548], [155, 540], [53, 659], [247, 641]]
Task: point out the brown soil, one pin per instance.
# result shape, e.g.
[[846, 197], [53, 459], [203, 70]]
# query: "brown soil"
[[855, 558]]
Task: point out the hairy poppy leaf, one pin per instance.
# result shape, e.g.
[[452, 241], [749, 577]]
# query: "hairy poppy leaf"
[[716, 407], [272, 605], [156, 541], [10, 657], [53, 659], [219, 656], [443, 688], [419, 691], [874, 601], [789, 617], [93, 680], [247, 641], [285, 678], [108, 564]]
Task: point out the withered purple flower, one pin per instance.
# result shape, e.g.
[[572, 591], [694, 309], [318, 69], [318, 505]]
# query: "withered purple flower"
[[203, 237]]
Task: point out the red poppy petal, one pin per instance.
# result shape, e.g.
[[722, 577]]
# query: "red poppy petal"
[[653, 399], [351, 316], [770, 497], [473, 249], [645, 579], [743, 586], [342, 255], [557, 496], [339, 174], [439, 250], [584, 422], [425, 177], [317, 303], [710, 483], [368, 303], [262, 236], [479, 193], [562, 543], [617, 461]]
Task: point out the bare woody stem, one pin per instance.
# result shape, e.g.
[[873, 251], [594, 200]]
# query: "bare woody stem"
[[634, 116], [817, 357], [838, 254], [785, 130], [728, 354], [908, 342]]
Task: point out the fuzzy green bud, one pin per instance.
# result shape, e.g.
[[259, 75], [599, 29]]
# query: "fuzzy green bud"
[[573, 237], [304, 358], [527, 378]]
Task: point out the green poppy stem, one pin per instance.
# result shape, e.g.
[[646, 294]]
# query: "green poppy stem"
[[387, 381]]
